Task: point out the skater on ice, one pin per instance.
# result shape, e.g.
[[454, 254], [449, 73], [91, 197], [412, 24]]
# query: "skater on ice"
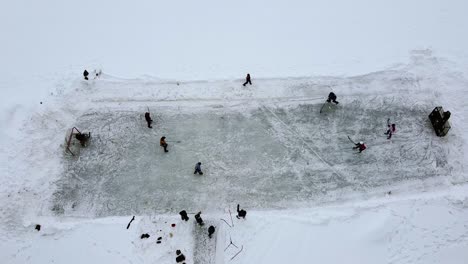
[[360, 146], [85, 74], [241, 213], [391, 129], [247, 80], [198, 169], [148, 119], [332, 98], [162, 143], [199, 219]]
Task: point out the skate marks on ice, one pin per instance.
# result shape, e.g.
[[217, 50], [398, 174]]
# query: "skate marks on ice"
[[268, 157]]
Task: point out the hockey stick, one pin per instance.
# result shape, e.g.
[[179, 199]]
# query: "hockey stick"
[[321, 108], [178, 141], [351, 140], [226, 222]]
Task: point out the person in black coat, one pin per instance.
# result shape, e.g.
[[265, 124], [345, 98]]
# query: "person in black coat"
[[183, 215], [247, 80], [241, 213], [211, 231], [85, 74], [148, 119], [199, 219], [332, 98]]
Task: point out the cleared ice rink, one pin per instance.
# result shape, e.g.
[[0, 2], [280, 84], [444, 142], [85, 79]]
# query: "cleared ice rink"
[[260, 153]]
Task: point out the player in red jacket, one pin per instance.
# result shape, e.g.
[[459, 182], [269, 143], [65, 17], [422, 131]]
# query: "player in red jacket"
[[360, 146], [391, 129]]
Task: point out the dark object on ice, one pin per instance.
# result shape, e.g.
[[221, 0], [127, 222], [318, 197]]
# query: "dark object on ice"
[[38, 227], [158, 242], [240, 212], [391, 129], [198, 169], [73, 135], [180, 257], [439, 120], [159, 238], [128, 226], [183, 215], [199, 219], [148, 119], [83, 138], [173, 225], [332, 98], [145, 236], [247, 80], [389, 192], [211, 230], [85, 74], [360, 146], [162, 143], [40, 102]]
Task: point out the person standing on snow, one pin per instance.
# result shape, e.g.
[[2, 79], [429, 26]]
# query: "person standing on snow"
[[391, 129], [162, 143], [183, 215], [199, 219], [360, 146], [148, 119], [85, 74], [211, 231], [332, 98], [247, 80], [198, 169], [241, 213]]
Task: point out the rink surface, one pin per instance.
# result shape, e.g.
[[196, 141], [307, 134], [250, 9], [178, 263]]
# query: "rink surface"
[[265, 153]]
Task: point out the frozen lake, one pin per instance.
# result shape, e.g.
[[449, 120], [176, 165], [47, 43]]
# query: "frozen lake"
[[269, 154]]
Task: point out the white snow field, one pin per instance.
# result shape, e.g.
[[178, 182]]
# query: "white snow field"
[[310, 198]]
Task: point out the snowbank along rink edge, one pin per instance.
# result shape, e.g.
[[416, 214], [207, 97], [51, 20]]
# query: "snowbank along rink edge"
[[258, 148]]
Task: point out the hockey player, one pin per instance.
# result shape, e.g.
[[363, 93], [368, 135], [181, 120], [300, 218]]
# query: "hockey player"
[[332, 98], [360, 146], [211, 231], [247, 80], [162, 143], [240, 212], [391, 129], [199, 219], [198, 169], [148, 119], [85, 74]]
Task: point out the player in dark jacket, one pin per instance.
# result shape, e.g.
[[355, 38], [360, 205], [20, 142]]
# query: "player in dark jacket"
[[211, 231], [148, 119], [247, 80], [162, 143], [198, 169], [332, 98], [241, 213], [199, 219], [391, 129], [85, 74]]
